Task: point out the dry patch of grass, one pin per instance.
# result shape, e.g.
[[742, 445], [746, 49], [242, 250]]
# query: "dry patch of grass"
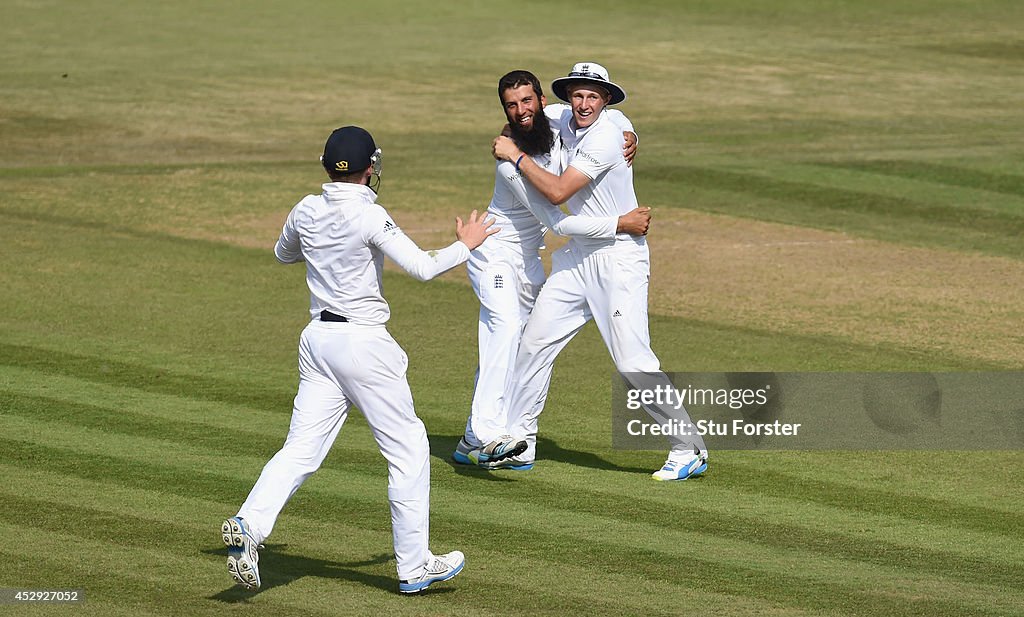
[[791, 280], [798, 280]]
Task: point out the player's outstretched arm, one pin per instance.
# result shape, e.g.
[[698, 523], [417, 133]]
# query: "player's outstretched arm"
[[425, 265]]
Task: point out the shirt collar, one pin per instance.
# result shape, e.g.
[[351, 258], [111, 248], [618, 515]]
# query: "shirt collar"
[[337, 191]]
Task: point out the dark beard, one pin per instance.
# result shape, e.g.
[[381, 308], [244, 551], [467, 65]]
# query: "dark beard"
[[538, 140]]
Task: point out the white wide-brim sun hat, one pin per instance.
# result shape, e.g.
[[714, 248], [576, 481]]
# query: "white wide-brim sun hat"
[[591, 73]]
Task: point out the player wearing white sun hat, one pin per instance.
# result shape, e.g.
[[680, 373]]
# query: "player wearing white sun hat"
[[591, 278], [506, 272]]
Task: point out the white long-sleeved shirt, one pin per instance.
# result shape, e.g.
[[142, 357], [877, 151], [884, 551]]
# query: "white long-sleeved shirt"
[[596, 151], [523, 213], [343, 235]]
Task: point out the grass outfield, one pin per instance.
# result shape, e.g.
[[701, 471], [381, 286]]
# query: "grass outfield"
[[854, 169]]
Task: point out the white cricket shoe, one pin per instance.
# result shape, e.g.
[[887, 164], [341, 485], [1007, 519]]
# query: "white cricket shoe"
[[503, 447], [243, 556], [439, 568], [682, 465]]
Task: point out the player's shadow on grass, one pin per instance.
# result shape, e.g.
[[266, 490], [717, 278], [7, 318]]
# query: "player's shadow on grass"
[[278, 568], [442, 447]]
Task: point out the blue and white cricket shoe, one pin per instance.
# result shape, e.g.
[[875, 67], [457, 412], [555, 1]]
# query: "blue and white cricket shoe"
[[682, 465], [466, 454], [501, 448], [439, 568], [243, 554]]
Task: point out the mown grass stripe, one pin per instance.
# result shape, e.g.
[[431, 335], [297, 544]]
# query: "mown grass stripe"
[[316, 501], [795, 577], [783, 587], [125, 578], [110, 230], [215, 416], [920, 190], [281, 566], [298, 584], [366, 463], [316, 545], [140, 446], [42, 567], [784, 534], [829, 198], [363, 460], [147, 379], [237, 440], [155, 169], [950, 175], [132, 530], [284, 566], [876, 501], [178, 507]]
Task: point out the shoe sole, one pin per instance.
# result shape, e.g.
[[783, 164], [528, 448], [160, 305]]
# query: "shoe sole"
[[499, 466], [242, 569], [693, 474], [418, 587]]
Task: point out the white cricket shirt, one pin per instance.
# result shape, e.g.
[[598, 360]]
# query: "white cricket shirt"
[[523, 213], [343, 235], [596, 151]]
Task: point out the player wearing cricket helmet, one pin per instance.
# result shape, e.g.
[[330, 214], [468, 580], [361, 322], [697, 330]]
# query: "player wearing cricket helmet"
[[347, 357]]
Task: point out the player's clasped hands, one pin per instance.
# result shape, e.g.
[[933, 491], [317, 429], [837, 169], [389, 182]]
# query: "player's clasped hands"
[[636, 222], [475, 230]]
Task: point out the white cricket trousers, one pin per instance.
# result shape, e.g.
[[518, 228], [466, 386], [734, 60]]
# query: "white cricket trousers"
[[608, 284], [506, 280], [342, 364]]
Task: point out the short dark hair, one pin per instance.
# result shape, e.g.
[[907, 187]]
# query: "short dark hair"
[[515, 79]]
